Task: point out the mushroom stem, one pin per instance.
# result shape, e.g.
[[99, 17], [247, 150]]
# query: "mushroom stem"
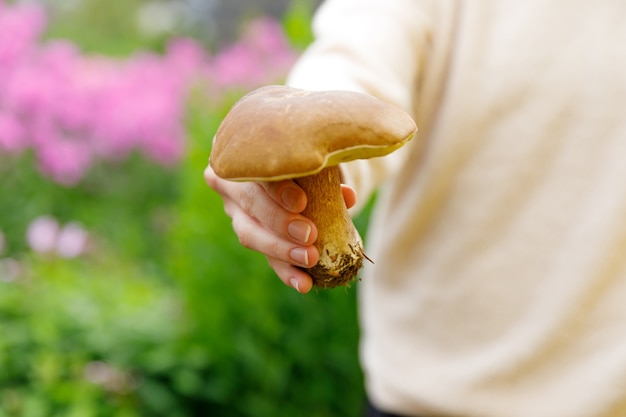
[[338, 242]]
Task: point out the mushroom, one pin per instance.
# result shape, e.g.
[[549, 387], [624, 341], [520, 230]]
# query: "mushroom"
[[278, 132]]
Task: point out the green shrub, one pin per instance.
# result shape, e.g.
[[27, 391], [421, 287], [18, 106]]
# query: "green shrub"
[[167, 315], [83, 338], [128, 204], [174, 315]]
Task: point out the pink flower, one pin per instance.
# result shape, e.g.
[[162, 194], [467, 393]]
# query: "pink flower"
[[21, 26], [42, 234], [12, 136], [45, 235], [30, 90], [75, 110], [66, 161], [262, 56], [186, 57], [10, 269], [72, 240]]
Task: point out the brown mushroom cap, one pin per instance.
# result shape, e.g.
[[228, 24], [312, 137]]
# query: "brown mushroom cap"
[[279, 132]]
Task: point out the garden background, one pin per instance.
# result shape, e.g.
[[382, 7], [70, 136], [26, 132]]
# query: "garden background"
[[123, 290]]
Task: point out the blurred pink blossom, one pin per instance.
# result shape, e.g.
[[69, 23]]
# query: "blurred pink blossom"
[[109, 377], [74, 110], [21, 25], [262, 55], [10, 269], [46, 235], [72, 240], [42, 234], [12, 135], [64, 160], [187, 56]]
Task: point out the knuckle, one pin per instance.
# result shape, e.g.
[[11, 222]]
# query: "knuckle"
[[229, 209], [247, 196], [280, 268], [275, 218], [245, 237], [273, 249], [212, 179], [242, 232], [244, 240]]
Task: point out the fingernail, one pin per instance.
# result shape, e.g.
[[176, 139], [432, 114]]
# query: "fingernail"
[[290, 197], [299, 230], [299, 255], [294, 284]]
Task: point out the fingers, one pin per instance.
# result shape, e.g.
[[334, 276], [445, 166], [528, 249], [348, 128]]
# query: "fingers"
[[267, 209], [349, 195], [283, 255], [291, 276], [266, 219], [254, 235]]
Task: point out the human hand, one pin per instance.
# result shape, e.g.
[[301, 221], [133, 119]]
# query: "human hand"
[[266, 218]]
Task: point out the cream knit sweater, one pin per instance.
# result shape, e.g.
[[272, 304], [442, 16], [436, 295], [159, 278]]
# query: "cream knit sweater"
[[499, 237]]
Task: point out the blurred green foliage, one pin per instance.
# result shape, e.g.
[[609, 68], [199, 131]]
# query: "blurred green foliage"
[[85, 338], [167, 315], [297, 23], [129, 204], [108, 28]]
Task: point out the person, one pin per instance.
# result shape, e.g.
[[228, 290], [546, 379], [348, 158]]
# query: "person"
[[499, 231]]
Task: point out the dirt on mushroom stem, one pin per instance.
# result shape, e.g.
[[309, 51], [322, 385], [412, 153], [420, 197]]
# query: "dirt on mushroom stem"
[[338, 241]]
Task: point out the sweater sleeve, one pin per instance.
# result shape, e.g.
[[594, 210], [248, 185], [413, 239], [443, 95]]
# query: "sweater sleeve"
[[375, 47]]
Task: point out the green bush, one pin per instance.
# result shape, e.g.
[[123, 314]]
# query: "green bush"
[[128, 205], [167, 315], [84, 338], [168, 302]]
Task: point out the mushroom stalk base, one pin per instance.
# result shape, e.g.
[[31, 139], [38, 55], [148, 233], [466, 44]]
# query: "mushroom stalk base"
[[338, 242]]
